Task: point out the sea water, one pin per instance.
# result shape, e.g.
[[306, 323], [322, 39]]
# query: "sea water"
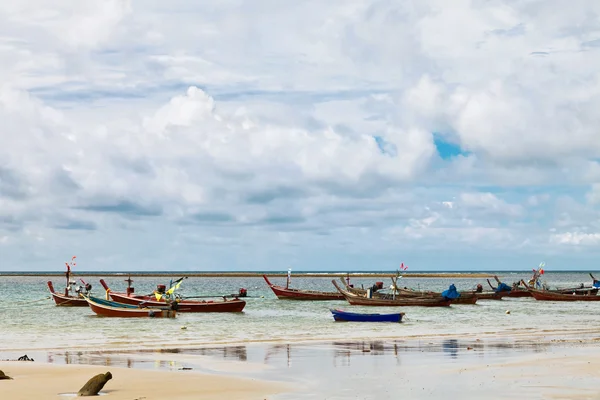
[[29, 320]]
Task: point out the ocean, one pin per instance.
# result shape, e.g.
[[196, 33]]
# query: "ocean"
[[30, 322]]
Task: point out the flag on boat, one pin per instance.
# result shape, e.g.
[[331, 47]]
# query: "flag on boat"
[[174, 288]]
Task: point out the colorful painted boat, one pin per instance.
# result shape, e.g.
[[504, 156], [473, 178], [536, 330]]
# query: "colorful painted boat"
[[357, 300], [107, 308], [67, 299], [184, 305], [344, 316], [286, 293]]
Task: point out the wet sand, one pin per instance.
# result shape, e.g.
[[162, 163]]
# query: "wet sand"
[[449, 368]]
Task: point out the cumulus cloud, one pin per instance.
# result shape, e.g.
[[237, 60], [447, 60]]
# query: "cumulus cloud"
[[270, 129]]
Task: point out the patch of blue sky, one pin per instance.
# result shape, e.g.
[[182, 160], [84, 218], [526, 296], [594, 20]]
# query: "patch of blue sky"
[[447, 149], [386, 147]]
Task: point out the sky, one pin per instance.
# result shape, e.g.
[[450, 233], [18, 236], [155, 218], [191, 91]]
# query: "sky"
[[262, 135]]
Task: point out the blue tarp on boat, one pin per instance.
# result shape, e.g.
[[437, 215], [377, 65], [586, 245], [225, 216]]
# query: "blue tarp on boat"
[[503, 287], [451, 293]]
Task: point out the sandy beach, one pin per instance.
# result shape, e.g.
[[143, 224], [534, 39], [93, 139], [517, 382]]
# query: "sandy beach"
[[40, 381], [348, 370]]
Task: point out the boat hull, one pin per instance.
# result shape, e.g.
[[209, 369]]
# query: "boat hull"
[[105, 308], [66, 301], [517, 293], [343, 316], [299, 294], [185, 306], [465, 297], [547, 295], [357, 300]]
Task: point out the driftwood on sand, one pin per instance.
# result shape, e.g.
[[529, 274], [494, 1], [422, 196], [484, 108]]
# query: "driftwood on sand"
[[94, 385], [3, 377]]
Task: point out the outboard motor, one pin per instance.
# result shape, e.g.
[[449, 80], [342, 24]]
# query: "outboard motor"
[[161, 289], [479, 288], [243, 292], [88, 287]]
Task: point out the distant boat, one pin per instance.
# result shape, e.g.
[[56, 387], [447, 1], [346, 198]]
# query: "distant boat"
[[286, 293], [340, 315], [107, 308]]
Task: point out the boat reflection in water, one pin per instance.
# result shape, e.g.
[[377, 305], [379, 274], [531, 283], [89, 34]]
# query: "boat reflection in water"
[[336, 354]]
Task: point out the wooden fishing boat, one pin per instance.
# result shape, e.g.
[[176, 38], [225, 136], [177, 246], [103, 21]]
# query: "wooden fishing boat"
[[183, 305], [465, 297], [361, 291], [490, 295], [357, 300], [582, 289], [286, 293], [551, 295], [107, 308], [515, 291], [67, 299], [339, 315]]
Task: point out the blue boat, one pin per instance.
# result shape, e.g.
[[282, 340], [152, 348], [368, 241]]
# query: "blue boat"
[[340, 315]]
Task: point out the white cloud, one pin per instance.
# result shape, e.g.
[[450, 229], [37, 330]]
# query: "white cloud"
[[490, 203], [576, 238], [305, 124], [593, 196]]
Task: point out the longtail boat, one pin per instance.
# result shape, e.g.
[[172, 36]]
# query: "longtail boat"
[[464, 298], [339, 315], [563, 295], [161, 297], [67, 299], [535, 283], [357, 300], [107, 308], [550, 295], [515, 291], [286, 293]]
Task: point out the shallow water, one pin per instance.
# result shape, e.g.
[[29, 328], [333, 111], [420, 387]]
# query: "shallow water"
[[29, 321]]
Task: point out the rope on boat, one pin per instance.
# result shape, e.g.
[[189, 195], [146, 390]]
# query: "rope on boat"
[[21, 303]]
